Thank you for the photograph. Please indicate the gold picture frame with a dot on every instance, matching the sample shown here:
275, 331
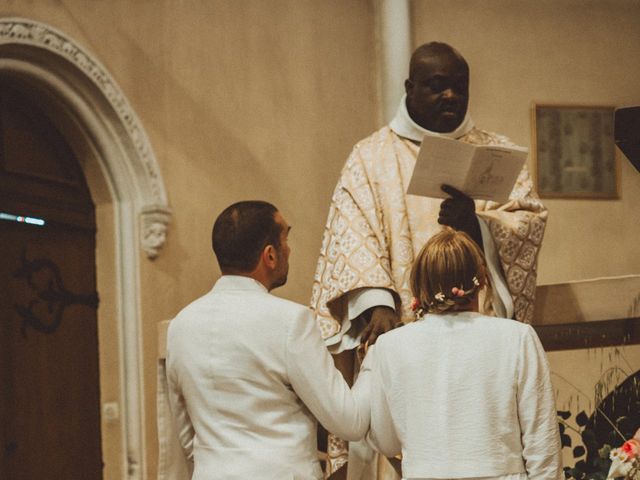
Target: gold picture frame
573, 151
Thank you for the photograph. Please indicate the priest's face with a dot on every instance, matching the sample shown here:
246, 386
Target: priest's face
438, 92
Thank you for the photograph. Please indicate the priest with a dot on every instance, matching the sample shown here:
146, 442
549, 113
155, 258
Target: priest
374, 229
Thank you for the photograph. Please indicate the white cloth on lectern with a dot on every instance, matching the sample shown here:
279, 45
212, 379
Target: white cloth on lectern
172, 463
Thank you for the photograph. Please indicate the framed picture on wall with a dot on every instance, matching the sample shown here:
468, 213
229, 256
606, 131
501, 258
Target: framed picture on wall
573, 152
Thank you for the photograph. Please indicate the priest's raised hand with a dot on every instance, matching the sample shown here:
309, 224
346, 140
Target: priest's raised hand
459, 212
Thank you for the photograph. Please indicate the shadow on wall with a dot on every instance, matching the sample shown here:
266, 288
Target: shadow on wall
592, 300
218, 154
615, 419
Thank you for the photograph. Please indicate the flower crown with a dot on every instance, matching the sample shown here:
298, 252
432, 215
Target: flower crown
442, 302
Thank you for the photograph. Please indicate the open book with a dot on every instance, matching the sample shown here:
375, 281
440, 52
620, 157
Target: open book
483, 172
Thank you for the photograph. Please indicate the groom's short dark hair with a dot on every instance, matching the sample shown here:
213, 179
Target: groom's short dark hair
241, 232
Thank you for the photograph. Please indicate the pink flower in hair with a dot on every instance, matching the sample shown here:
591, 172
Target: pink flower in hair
631, 448
415, 304
457, 292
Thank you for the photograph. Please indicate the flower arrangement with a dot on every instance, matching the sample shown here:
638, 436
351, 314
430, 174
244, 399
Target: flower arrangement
625, 460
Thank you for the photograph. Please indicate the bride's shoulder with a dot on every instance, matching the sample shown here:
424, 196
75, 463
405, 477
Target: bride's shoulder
506, 325
398, 334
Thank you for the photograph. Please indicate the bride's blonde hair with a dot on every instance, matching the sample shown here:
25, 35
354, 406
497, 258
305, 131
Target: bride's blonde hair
448, 273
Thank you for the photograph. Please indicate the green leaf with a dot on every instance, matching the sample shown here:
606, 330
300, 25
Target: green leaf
581, 466
577, 474
613, 438
564, 414
604, 451
578, 451
589, 439
582, 419
565, 440
602, 464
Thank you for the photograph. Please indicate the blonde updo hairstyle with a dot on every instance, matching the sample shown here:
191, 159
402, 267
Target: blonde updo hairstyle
448, 273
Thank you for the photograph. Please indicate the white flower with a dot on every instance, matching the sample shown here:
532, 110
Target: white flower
618, 453
619, 466
440, 296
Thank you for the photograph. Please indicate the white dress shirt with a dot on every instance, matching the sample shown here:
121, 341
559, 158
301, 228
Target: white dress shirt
463, 395
248, 375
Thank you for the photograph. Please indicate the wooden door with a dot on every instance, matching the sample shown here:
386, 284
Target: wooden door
49, 373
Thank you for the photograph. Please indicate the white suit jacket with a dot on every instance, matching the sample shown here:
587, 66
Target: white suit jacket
248, 375
463, 395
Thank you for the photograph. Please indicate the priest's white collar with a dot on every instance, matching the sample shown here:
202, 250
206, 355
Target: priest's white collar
403, 125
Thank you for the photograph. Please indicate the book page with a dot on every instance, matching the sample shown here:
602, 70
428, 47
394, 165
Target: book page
440, 160
493, 172
483, 172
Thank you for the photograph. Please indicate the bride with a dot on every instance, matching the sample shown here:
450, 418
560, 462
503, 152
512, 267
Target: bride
459, 394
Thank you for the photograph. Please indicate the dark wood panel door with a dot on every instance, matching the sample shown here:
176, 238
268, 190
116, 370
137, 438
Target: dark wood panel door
49, 363
49, 371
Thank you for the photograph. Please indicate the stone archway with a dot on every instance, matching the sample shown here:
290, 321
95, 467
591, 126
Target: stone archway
62, 70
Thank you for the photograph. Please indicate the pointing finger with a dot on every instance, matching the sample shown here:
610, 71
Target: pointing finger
454, 192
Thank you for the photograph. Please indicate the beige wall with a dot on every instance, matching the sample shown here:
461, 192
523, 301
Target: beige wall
559, 52
264, 99
241, 100
579, 375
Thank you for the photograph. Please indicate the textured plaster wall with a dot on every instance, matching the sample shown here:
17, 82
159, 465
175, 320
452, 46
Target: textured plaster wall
557, 52
264, 99
241, 100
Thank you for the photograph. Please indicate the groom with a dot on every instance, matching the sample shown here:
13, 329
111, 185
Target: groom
248, 372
